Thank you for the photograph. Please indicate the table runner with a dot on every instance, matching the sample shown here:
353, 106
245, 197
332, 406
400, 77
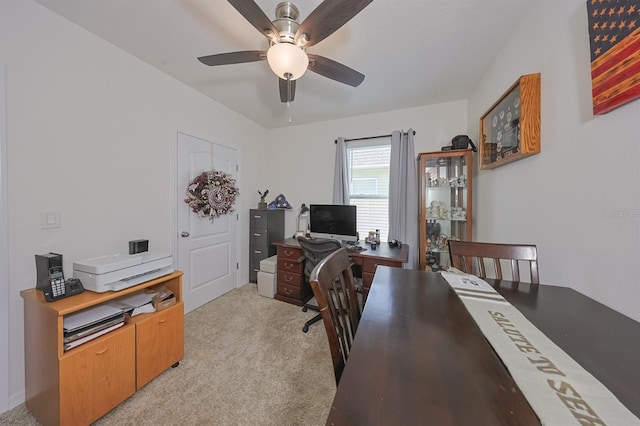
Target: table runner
559, 390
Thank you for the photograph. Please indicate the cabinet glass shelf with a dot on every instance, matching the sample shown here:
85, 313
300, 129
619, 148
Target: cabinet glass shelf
446, 219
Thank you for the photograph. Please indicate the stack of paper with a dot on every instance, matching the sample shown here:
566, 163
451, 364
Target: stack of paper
83, 326
134, 304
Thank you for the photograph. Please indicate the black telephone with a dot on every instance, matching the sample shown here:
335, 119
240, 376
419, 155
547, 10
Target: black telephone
51, 278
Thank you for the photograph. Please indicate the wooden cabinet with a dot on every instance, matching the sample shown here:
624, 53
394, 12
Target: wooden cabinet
79, 386
446, 208
266, 228
291, 286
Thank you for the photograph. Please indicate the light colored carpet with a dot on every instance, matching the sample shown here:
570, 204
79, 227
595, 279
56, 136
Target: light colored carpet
246, 362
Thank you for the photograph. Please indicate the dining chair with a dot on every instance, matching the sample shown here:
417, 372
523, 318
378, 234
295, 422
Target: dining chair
334, 288
313, 251
473, 257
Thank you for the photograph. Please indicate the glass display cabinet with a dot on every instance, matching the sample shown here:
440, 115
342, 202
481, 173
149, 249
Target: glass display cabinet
445, 204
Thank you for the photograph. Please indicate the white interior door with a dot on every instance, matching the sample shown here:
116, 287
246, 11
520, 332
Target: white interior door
206, 248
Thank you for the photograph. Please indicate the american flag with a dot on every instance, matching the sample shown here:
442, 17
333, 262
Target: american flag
614, 34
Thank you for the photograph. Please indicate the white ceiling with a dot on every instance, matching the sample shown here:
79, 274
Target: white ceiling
412, 52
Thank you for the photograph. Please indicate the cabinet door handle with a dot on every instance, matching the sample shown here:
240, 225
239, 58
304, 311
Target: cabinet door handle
102, 351
288, 253
288, 265
258, 251
162, 321
257, 216
286, 290
288, 278
255, 234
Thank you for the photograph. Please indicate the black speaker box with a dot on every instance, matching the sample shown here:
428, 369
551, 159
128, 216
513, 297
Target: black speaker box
138, 246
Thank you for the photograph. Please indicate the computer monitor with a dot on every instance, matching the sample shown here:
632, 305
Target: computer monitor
333, 221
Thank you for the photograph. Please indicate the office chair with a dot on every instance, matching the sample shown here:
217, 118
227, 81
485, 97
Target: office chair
314, 250
334, 287
469, 256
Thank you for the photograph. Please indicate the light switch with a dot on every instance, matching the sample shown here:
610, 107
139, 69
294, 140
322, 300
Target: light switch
51, 219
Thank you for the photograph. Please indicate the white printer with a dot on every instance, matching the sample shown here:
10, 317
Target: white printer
119, 271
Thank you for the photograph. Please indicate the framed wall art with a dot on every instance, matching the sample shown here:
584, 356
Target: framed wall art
614, 39
510, 129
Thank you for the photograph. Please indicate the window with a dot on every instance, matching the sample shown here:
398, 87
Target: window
368, 163
364, 186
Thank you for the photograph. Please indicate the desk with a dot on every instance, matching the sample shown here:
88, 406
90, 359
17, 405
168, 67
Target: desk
419, 357
292, 287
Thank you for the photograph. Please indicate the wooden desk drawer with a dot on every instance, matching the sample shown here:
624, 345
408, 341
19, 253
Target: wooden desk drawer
289, 278
356, 260
370, 264
291, 291
286, 265
289, 253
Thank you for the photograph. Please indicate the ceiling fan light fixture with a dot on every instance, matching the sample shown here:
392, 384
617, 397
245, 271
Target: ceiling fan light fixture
287, 58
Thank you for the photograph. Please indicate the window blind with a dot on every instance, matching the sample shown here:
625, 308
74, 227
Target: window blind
369, 186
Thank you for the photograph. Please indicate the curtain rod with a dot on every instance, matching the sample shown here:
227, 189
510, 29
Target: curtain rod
370, 137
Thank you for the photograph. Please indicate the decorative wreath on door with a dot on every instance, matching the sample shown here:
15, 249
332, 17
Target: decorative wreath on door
212, 194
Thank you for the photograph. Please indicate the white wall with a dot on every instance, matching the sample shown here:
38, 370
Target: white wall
91, 132
578, 200
4, 263
302, 157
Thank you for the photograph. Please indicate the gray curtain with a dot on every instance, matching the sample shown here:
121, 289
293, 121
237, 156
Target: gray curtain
403, 194
341, 174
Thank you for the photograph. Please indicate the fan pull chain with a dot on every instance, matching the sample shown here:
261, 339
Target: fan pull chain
288, 75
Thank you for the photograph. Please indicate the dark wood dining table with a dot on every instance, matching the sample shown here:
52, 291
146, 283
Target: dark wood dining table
420, 358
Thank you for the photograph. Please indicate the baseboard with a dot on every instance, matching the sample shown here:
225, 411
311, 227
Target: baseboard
16, 399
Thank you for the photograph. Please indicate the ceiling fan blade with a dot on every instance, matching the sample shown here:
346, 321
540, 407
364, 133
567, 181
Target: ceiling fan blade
256, 17
287, 95
233, 57
334, 70
328, 17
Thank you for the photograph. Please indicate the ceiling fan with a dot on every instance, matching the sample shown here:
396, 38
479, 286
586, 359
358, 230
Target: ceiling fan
288, 41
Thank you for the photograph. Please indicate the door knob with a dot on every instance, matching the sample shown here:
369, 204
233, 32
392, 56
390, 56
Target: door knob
184, 234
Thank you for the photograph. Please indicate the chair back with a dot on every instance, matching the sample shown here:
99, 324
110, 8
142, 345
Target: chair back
314, 250
334, 288
468, 255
